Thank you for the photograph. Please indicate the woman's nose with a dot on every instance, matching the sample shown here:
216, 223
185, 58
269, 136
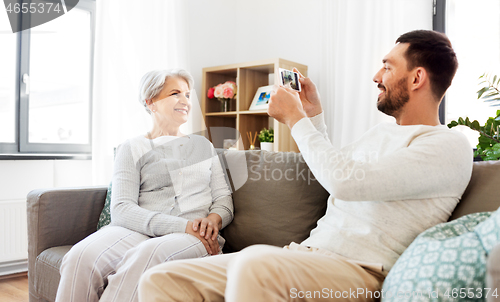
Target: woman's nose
185, 99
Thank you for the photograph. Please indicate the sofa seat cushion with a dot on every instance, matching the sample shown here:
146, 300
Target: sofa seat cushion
47, 271
280, 202
441, 261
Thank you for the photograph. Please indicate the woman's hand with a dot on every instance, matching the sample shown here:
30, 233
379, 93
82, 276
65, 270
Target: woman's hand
212, 246
309, 96
208, 227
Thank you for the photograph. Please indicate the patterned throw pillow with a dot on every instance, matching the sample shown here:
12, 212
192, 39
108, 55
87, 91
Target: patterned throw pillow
105, 217
489, 232
445, 263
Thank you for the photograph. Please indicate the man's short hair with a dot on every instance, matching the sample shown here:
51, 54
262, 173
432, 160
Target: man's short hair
432, 51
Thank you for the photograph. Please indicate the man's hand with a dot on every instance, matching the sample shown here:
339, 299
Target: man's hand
309, 96
212, 246
285, 106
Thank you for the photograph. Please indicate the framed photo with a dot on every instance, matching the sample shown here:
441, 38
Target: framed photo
261, 98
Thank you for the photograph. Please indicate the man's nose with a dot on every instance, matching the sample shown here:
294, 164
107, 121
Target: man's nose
376, 77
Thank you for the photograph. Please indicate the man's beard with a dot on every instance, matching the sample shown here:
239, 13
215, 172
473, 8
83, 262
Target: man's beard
391, 102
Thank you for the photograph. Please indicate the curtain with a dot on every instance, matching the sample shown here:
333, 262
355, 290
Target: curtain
132, 37
356, 35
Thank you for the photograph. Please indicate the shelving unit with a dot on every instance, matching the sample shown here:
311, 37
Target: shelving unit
248, 77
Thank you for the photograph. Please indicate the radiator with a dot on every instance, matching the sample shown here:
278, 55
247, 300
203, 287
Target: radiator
13, 236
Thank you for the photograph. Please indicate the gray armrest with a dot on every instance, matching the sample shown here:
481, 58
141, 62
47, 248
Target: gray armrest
59, 217
62, 216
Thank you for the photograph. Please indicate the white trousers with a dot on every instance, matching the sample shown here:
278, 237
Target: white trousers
107, 265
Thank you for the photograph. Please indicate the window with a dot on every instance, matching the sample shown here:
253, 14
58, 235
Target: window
7, 81
46, 87
474, 30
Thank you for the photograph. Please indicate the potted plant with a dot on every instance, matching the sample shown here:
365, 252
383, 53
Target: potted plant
488, 147
266, 139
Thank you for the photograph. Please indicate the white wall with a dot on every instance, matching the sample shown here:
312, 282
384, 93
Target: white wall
17, 179
341, 42
226, 32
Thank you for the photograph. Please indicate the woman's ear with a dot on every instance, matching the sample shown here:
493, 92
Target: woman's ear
150, 104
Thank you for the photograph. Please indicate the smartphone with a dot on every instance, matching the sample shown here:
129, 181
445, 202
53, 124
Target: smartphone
290, 78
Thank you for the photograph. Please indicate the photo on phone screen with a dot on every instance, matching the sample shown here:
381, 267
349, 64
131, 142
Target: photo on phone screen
290, 78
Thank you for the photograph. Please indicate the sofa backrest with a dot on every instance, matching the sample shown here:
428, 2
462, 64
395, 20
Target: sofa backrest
279, 203
482, 193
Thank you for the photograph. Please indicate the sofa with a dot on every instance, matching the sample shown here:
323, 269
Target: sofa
280, 202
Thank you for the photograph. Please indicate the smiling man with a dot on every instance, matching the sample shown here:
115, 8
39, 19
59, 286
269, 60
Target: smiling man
378, 204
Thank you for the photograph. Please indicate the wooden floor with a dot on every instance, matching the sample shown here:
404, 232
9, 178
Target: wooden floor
14, 288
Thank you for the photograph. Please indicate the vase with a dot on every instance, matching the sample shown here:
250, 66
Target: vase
224, 105
266, 146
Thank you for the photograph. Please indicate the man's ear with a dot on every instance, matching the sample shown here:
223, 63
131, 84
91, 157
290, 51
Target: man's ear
420, 78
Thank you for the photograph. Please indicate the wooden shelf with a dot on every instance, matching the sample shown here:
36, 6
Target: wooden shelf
253, 112
248, 76
229, 113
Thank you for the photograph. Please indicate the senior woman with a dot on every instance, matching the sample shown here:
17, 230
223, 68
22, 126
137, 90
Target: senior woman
169, 201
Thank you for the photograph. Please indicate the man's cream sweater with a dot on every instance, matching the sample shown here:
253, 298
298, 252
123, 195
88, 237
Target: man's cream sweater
386, 188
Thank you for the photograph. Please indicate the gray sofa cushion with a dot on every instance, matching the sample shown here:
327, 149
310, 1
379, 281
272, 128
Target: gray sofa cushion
47, 271
279, 203
481, 194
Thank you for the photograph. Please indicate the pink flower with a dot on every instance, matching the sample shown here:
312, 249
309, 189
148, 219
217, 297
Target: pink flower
232, 85
210, 93
228, 93
219, 90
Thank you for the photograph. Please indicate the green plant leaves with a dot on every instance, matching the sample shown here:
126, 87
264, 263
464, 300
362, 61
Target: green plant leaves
475, 125
491, 91
488, 146
266, 135
481, 91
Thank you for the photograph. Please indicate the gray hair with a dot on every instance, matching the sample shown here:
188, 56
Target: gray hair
153, 81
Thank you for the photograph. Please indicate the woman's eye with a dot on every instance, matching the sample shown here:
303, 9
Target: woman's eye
188, 96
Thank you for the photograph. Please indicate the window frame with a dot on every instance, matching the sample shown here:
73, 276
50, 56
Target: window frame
22, 148
439, 24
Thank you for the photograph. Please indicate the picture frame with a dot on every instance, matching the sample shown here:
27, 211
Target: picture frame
261, 98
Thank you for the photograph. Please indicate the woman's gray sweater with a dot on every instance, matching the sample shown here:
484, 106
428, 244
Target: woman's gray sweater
161, 184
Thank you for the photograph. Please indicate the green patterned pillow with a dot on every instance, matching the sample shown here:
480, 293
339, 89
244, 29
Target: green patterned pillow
489, 232
105, 217
445, 263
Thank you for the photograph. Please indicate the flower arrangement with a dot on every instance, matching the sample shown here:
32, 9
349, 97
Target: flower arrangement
224, 93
